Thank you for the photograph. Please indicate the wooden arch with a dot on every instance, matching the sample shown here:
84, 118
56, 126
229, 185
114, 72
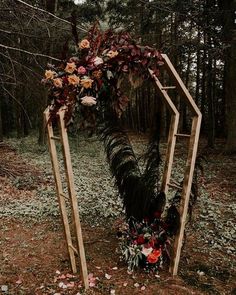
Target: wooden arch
166, 179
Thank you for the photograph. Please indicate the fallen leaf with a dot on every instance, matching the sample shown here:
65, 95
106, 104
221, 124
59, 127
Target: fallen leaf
90, 275
92, 280
143, 288
19, 282
62, 285
68, 275
107, 276
71, 284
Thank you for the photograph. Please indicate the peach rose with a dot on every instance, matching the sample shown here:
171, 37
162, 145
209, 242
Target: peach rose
88, 101
84, 44
57, 82
73, 80
112, 54
70, 67
86, 83
49, 74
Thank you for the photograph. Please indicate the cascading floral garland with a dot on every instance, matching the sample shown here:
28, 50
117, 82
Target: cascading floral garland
92, 76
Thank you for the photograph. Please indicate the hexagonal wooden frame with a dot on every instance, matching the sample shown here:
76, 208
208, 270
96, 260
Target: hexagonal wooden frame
166, 179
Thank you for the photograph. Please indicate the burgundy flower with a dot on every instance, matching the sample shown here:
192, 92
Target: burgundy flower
140, 240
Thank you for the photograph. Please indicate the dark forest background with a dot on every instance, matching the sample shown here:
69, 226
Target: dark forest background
199, 36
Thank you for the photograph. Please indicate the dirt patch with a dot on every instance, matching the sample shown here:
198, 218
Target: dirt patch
34, 257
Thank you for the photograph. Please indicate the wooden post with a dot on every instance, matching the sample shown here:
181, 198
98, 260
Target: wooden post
72, 194
59, 189
188, 177
172, 131
63, 139
190, 163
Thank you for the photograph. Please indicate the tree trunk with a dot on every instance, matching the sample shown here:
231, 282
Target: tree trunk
229, 35
51, 6
210, 103
1, 129
203, 86
41, 137
231, 97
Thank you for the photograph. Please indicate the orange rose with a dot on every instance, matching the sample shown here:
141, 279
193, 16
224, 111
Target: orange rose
112, 54
153, 257
73, 79
57, 82
86, 83
70, 67
49, 74
84, 44
97, 74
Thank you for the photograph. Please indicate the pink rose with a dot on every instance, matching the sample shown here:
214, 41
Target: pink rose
81, 70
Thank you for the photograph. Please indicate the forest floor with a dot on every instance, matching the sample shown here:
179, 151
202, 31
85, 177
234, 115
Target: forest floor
33, 253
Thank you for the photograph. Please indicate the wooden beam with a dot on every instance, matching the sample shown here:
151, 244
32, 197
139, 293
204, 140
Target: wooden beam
73, 197
169, 152
180, 85
163, 93
191, 158
59, 189
187, 183
171, 136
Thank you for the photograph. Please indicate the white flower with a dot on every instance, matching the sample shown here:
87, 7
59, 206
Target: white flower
88, 101
146, 251
98, 61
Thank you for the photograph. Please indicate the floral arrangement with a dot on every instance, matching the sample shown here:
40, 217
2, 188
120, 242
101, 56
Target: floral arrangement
144, 244
92, 76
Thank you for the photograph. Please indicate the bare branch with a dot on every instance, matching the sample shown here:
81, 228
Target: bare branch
49, 13
28, 52
24, 66
21, 105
